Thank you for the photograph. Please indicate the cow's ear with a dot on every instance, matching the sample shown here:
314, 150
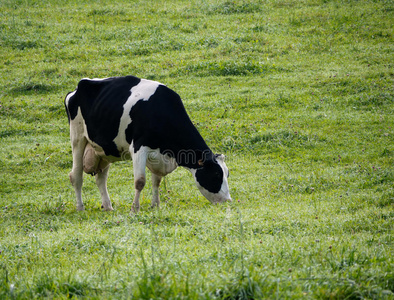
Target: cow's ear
220, 157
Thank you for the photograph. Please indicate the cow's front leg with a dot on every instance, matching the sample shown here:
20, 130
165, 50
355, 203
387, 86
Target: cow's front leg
156, 179
139, 164
101, 181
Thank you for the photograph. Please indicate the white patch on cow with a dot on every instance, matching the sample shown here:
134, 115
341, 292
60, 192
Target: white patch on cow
142, 91
160, 164
95, 79
79, 122
157, 163
222, 196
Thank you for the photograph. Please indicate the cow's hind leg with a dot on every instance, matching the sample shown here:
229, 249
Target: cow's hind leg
78, 143
139, 164
156, 179
101, 181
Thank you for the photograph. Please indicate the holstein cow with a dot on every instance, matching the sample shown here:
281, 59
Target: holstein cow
123, 118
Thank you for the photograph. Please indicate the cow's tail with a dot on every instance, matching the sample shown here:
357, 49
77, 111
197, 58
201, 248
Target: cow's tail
66, 104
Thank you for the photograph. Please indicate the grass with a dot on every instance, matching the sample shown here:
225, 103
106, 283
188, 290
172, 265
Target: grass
297, 94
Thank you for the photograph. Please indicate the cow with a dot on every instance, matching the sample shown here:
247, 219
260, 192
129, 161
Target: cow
121, 118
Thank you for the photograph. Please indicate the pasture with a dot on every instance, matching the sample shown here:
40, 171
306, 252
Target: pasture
299, 96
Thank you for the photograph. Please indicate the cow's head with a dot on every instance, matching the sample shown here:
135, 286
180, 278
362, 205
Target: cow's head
211, 179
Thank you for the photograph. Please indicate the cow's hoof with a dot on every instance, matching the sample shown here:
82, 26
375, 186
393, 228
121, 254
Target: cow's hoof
80, 208
107, 208
134, 211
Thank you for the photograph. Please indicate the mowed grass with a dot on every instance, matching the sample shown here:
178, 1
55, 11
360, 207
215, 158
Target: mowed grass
297, 94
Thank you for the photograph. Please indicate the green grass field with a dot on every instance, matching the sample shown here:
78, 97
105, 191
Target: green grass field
299, 96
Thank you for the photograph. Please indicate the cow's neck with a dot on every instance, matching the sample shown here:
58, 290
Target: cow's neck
193, 151
193, 158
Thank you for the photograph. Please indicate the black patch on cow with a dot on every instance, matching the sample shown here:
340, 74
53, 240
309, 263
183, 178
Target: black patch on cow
162, 123
210, 176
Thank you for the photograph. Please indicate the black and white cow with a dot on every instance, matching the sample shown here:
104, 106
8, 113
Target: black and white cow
122, 118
